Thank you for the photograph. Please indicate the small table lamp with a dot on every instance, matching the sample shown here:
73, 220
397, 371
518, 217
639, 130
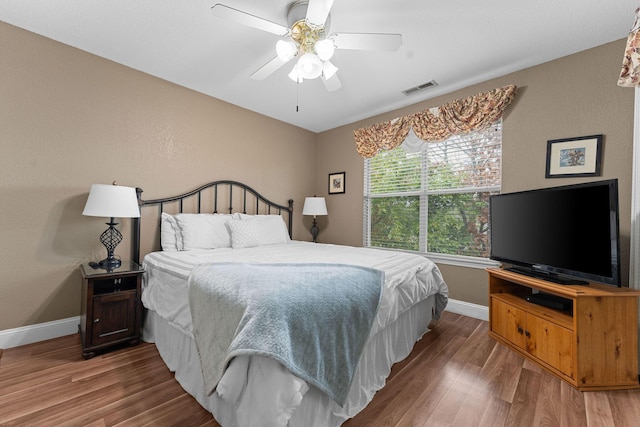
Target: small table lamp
111, 201
314, 206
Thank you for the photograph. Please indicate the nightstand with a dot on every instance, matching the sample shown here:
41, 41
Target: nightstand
111, 308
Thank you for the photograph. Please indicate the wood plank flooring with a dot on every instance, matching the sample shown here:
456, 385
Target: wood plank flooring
455, 376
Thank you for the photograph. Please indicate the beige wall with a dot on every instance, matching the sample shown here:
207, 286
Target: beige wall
573, 96
69, 119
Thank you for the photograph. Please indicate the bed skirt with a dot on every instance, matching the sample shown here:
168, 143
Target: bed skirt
382, 350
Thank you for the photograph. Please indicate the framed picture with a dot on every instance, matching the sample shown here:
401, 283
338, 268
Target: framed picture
336, 183
580, 156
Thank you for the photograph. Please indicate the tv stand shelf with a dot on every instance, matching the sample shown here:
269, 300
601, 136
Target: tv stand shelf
593, 345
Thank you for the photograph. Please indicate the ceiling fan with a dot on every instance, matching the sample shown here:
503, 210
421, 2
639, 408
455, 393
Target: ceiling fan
306, 39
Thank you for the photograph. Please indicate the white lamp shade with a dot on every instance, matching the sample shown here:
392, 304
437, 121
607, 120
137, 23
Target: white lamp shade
310, 66
324, 49
112, 201
295, 74
286, 50
314, 206
328, 69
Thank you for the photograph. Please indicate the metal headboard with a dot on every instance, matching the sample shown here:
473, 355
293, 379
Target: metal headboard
215, 190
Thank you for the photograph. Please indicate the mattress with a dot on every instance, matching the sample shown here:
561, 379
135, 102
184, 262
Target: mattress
413, 293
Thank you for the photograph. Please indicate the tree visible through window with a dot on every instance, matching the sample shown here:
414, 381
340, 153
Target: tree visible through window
435, 200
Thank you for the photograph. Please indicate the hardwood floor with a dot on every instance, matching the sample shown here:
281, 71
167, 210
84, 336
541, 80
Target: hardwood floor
455, 376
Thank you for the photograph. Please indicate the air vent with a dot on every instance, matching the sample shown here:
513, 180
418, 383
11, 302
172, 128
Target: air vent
418, 88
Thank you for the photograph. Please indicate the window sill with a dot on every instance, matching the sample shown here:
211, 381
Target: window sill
462, 261
457, 260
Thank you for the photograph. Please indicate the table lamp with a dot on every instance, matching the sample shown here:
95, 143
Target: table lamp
314, 206
111, 201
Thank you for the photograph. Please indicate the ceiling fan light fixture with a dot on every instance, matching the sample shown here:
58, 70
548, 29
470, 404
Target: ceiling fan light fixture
286, 50
328, 69
307, 38
324, 49
309, 66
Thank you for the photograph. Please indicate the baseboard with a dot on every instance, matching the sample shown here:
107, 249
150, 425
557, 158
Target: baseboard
39, 332
45, 331
468, 309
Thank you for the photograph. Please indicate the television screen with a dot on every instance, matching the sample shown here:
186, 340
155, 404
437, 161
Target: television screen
569, 232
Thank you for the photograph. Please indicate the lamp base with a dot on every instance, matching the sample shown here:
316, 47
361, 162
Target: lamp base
107, 263
110, 239
314, 230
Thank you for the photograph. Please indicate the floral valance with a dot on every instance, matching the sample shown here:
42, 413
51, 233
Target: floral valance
436, 124
630, 74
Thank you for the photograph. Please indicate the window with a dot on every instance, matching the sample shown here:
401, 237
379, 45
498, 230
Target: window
435, 200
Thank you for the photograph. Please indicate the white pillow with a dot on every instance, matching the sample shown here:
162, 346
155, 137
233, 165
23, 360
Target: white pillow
263, 231
269, 217
204, 231
169, 233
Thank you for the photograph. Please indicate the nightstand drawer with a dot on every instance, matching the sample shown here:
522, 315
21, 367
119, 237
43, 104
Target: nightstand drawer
114, 284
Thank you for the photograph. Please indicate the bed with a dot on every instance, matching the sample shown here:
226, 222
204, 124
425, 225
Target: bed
187, 285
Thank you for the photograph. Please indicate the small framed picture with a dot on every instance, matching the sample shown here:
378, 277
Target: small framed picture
336, 183
580, 156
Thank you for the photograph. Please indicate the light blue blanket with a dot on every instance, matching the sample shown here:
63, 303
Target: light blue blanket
313, 318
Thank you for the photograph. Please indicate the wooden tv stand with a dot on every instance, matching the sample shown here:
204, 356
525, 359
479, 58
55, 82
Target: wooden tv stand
593, 344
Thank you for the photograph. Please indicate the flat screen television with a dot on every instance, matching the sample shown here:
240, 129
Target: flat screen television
567, 234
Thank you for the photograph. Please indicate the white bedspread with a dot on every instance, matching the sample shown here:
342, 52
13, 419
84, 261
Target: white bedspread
409, 279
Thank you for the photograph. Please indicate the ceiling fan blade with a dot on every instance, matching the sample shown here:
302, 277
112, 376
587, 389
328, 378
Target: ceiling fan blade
332, 83
226, 12
318, 10
362, 41
269, 68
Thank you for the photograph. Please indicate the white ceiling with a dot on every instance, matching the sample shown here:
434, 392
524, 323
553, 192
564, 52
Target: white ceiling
457, 43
